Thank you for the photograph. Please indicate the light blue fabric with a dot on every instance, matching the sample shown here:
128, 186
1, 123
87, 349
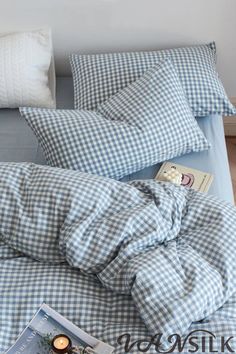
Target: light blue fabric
148, 122
166, 246
195, 65
18, 143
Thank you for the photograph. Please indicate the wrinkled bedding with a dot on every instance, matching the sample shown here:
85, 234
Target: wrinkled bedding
141, 258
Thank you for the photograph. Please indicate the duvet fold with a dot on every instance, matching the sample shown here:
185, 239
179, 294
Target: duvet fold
171, 249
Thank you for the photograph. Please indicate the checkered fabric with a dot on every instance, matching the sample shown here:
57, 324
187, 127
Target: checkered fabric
171, 249
99, 76
39, 203
148, 122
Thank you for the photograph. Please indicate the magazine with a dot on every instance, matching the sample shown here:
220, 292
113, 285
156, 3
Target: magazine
185, 176
48, 329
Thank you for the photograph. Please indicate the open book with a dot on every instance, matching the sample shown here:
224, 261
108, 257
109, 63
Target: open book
39, 336
185, 176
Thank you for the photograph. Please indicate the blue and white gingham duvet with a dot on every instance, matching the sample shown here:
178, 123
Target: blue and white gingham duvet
141, 258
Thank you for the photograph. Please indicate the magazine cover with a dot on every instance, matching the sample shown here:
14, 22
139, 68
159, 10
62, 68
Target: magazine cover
49, 332
185, 176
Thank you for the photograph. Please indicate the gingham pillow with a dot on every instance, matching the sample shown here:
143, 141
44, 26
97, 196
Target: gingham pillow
97, 77
148, 122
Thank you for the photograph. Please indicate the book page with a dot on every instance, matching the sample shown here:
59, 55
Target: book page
191, 178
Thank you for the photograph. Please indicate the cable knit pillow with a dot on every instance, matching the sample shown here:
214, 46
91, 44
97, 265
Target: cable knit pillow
148, 122
97, 77
27, 69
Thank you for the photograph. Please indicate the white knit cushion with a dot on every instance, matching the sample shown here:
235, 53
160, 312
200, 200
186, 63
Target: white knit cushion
26, 61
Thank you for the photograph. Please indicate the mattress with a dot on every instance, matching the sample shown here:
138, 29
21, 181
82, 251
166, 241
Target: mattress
18, 143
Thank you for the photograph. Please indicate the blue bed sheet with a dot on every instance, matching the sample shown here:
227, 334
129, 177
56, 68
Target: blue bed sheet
18, 143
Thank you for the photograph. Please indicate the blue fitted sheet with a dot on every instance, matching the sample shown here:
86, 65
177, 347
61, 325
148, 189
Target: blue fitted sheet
18, 143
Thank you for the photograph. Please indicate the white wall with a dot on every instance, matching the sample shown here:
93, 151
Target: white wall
90, 26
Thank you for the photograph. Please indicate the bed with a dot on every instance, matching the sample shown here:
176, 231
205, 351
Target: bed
82, 299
